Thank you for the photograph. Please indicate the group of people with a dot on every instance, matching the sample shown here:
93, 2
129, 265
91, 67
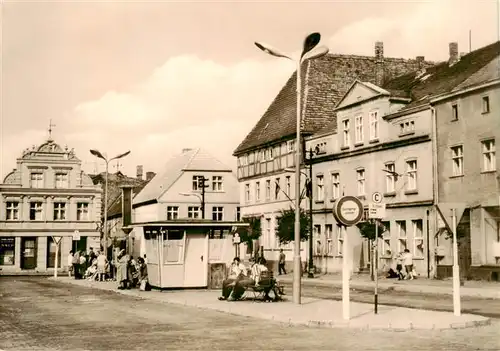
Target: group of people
88, 265
403, 260
131, 273
240, 278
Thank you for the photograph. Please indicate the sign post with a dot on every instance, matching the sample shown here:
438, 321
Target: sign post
57, 240
376, 211
236, 242
348, 211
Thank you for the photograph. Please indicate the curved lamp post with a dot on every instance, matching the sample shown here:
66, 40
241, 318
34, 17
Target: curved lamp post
98, 154
310, 42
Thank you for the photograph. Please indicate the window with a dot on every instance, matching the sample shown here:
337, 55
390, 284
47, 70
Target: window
173, 246
386, 239
172, 212
340, 239
35, 211
62, 181
402, 239
195, 182
486, 104
193, 212
358, 125
345, 133
217, 183
457, 157
489, 162
291, 146
329, 239
36, 180
51, 253
268, 232
268, 189
257, 191
390, 178
320, 148
407, 127
82, 211
247, 192
320, 188
59, 211
12, 211
7, 251
411, 172
454, 112
218, 213
335, 185
288, 186
277, 188
418, 237
360, 176
317, 239
374, 125
238, 213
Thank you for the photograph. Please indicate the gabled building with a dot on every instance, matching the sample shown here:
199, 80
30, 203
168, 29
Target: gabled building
388, 139
266, 186
46, 197
174, 193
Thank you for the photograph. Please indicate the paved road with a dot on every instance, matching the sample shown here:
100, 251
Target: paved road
38, 314
484, 307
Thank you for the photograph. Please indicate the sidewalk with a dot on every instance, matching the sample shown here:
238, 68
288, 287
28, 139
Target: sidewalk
312, 312
482, 289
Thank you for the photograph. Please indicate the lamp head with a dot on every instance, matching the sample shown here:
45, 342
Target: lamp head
310, 43
268, 49
316, 53
96, 153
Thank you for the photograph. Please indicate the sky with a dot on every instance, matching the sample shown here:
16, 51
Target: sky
157, 77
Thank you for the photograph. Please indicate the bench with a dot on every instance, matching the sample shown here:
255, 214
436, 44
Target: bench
267, 283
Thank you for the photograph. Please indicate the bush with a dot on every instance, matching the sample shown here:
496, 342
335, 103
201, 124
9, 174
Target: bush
286, 226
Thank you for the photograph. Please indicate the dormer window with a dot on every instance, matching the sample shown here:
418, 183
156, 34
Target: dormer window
62, 181
291, 146
345, 132
407, 127
320, 148
36, 180
374, 125
359, 129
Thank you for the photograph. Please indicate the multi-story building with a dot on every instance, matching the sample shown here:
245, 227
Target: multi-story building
45, 198
268, 150
467, 168
385, 141
175, 194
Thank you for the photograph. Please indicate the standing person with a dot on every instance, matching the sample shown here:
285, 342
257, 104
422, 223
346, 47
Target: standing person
399, 265
70, 263
76, 265
122, 270
281, 262
101, 266
408, 262
82, 264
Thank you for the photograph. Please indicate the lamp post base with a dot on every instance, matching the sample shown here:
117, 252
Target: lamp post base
297, 273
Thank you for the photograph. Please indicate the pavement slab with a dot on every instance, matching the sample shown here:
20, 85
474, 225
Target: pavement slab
311, 312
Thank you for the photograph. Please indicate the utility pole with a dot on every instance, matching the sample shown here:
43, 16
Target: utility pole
310, 272
202, 185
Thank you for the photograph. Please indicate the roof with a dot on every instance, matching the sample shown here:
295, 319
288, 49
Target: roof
473, 68
190, 160
325, 80
115, 209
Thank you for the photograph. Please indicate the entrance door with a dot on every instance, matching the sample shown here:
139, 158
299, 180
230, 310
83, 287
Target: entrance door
195, 262
28, 253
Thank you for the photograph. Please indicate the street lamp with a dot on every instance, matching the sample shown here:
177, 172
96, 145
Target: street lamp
98, 154
201, 200
310, 42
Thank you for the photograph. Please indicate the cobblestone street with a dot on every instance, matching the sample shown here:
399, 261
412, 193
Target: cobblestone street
38, 314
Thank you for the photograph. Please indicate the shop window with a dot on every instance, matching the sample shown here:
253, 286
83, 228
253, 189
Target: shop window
173, 247
7, 251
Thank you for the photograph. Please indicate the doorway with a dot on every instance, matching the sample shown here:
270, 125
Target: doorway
195, 263
28, 253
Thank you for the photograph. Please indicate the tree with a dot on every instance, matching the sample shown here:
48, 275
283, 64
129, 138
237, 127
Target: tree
367, 229
286, 226
253, 232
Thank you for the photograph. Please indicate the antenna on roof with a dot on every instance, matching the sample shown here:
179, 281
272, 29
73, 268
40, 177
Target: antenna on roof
470, 40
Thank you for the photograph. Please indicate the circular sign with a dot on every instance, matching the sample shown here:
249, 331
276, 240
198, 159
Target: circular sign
377, 197
348, 210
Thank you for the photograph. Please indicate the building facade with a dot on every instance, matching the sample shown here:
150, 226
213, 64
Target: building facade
378, 147
45, 198
175, 194
468, 131
267, 152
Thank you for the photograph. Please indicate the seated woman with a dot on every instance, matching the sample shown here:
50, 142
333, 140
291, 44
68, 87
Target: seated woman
237, 271
143, 275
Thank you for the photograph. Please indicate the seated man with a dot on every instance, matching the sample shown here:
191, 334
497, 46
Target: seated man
257, 269
237, 271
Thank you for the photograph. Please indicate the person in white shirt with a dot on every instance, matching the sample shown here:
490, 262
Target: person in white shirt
408, 262
236, 271
70, 263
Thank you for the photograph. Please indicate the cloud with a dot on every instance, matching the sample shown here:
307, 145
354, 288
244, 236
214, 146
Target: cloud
426, 31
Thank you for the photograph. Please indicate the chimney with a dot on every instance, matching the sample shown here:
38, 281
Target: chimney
379, 63
186, 150
140, 172
453, 54
150, 175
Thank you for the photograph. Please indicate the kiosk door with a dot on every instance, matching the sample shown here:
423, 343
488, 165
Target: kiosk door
195, 263
28, 253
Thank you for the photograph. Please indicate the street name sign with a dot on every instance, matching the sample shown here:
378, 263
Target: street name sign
76, 235
376, 211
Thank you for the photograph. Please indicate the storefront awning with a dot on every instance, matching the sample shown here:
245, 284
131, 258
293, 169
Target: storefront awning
200, 223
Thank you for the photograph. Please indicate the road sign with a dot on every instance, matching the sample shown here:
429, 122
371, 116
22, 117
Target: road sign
348, 210
76, 235
377, 197
376, 211
57, 239
236, 238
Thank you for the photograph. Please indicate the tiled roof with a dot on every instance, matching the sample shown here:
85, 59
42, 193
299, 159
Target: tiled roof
115, 180
116, 208
190, 160
325, 80
473, 68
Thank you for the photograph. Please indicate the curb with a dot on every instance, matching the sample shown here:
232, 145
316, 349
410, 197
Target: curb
404, 326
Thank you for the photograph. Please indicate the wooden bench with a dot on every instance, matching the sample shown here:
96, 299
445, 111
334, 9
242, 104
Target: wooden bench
267, 283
